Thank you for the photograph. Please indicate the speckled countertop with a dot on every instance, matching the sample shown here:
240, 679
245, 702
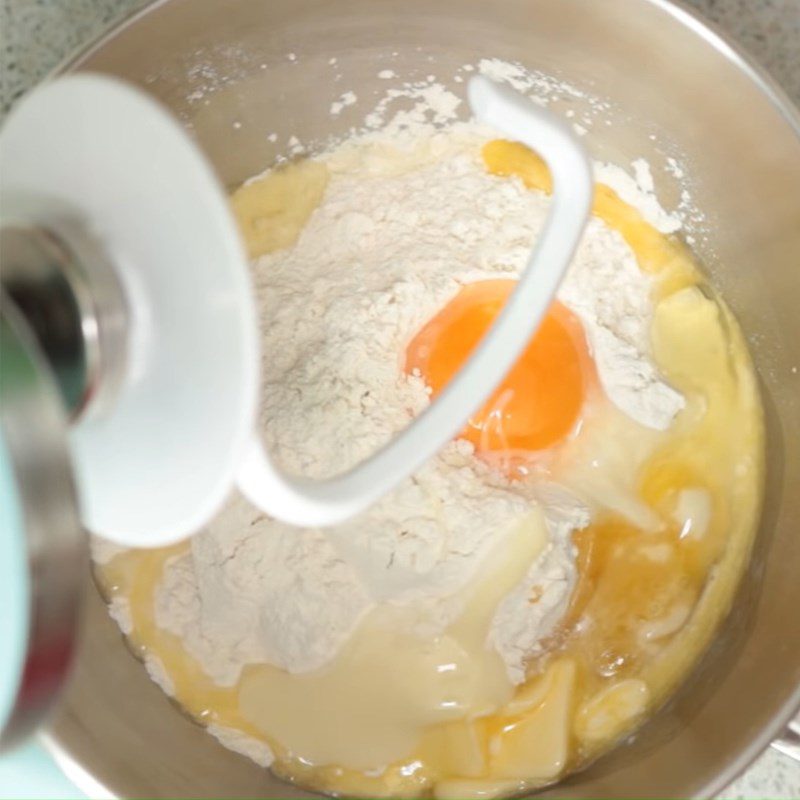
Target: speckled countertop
35, 35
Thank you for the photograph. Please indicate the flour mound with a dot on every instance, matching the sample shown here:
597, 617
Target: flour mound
252, 590
395, 238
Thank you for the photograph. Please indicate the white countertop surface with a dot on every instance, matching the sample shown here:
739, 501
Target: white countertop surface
38, 34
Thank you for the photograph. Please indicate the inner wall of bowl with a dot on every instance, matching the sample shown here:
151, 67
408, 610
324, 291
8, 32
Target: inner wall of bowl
239, 71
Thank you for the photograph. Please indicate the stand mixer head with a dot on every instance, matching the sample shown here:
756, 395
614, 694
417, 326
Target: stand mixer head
121, 212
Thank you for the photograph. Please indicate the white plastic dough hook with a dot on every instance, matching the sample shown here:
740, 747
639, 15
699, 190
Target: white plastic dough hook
168, 426
315, 503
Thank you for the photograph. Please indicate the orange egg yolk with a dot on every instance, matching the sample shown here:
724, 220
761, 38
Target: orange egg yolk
539, 401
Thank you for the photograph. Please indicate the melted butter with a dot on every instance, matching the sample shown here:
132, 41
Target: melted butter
272, 210
648, 598
134, 576
388, 684
646, 605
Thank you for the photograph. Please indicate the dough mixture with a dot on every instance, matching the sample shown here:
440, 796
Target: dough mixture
527, 598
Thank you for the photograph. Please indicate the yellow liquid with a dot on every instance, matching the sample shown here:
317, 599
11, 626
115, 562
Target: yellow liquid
646, 603
389, 685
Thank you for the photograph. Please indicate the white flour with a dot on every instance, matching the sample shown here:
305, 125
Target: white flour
242, 743
394, 239
611, 295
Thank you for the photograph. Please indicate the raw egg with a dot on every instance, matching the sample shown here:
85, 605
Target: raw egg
540, 400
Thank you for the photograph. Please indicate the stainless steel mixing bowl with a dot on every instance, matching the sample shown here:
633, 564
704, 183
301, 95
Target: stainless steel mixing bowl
674, 87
